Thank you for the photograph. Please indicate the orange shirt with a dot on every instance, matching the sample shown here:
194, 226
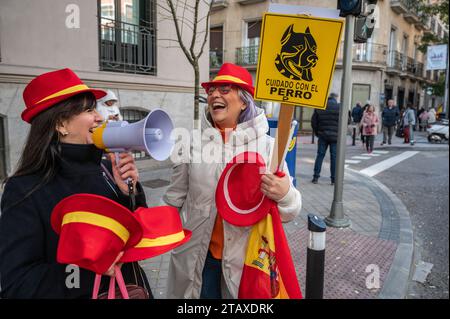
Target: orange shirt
216, 243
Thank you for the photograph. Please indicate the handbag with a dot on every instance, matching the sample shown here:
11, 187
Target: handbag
124, 291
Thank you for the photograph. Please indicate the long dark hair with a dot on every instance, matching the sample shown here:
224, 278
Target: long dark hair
42, 150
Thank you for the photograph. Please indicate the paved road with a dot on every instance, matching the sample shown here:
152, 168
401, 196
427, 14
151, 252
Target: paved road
419, 176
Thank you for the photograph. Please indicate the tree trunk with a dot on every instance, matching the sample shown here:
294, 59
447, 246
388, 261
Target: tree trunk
196, 95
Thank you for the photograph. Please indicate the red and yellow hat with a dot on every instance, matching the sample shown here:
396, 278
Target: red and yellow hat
93, 231
239, 199
162, 231
50, 88
230, 73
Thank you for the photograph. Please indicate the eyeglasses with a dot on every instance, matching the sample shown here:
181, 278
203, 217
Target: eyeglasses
223, 89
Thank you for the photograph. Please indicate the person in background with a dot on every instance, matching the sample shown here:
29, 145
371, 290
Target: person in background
357, 114
363, 137
423, 120
432, 116
389, 118
409, 120
325, 124
108, 108
370, 127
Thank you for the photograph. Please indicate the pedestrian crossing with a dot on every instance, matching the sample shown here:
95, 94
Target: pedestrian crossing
380, 166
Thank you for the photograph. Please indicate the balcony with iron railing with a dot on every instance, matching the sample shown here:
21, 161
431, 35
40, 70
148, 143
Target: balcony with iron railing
247, 56
394, 62
419, 70
412, 15
366, 55
409, 65
399, 6
219, 5
126, 47
215, 59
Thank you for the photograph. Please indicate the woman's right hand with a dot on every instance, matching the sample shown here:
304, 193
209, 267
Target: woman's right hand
111, 271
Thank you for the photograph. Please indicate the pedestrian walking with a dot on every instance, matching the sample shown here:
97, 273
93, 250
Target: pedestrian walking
432, 116
423, 120
357, 113
363, 138
325, 124
389, 117
370, 127
59, 159
210, 265
409, 120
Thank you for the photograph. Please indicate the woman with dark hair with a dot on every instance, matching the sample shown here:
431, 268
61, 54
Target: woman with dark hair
59, 159
210, 264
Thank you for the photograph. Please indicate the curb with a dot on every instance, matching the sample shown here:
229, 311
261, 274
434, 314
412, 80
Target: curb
396, 282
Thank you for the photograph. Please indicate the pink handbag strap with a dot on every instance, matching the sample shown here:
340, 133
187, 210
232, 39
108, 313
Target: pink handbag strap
112, 285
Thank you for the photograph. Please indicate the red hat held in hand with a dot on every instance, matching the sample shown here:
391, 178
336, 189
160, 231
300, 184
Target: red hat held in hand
50, 88
162, 231
239, 199
93, 231
230, 73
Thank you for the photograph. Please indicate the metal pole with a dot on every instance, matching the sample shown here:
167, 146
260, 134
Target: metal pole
336, 217
446, 89
315, 258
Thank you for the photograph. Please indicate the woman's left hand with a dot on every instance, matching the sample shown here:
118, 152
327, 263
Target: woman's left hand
124, 170
275, 187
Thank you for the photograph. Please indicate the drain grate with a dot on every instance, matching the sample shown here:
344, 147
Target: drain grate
155, 183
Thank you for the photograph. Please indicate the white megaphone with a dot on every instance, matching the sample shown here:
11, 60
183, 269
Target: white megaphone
151, 135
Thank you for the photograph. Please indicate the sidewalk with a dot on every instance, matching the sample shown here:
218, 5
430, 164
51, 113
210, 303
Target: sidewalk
378, 242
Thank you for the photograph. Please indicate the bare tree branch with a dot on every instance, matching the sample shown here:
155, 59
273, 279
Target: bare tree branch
206, 29
177, 29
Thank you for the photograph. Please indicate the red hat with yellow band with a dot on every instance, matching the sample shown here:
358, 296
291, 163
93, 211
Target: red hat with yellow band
230, 73
50, 88
93, 231
162, 231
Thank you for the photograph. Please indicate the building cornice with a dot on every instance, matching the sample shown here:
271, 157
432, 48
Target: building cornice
25, 79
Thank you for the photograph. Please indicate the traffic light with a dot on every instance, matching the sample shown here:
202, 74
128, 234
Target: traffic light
363, 29
365, 22
349, 7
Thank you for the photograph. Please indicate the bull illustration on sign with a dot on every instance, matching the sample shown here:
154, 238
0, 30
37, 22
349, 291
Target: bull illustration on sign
298, 55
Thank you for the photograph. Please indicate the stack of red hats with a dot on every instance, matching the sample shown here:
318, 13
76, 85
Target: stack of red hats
94, 230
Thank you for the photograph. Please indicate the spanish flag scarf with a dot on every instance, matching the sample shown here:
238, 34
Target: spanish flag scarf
269, 271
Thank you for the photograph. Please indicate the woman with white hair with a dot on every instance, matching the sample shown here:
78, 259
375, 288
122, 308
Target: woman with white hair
210, 265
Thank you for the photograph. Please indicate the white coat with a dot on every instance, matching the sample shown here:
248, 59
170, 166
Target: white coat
192, 189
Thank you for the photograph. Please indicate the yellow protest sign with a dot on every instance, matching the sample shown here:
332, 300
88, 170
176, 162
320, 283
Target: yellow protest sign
297, 56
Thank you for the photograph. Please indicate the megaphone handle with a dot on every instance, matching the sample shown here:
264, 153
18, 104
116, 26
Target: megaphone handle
129, 182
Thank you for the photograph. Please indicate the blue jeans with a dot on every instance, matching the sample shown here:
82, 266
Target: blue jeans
322, 146
211, 278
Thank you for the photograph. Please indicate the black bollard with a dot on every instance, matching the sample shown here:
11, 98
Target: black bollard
315, 259
354, 136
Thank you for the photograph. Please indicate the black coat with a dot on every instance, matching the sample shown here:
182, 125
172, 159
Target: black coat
357, 113
325, 123
28, 244
390, 116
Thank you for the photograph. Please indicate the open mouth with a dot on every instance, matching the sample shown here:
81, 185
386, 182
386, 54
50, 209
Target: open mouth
218, 106
91, 130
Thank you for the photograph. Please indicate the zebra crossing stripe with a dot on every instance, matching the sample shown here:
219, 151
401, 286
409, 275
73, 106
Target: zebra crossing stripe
352, 162
381, 152
388, 163
361, 157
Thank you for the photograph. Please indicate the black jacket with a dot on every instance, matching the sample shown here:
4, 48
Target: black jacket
390, 116
325, 123
357, 113
28, 244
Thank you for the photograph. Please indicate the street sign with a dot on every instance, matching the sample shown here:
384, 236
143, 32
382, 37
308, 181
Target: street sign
297, 56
